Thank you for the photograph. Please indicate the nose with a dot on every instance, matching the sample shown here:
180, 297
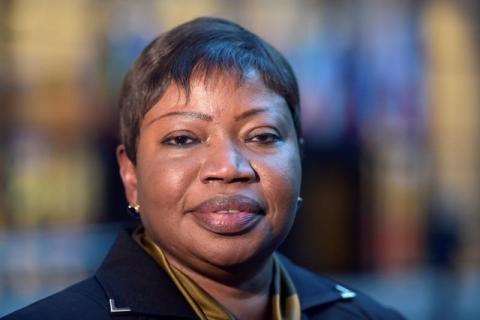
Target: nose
226, 163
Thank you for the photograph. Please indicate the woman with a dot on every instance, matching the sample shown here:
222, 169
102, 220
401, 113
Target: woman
210, 162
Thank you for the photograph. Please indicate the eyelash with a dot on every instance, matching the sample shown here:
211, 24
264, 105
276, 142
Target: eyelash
265, 138
185, 140
179, 141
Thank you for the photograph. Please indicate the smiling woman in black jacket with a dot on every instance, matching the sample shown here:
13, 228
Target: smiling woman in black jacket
210, 162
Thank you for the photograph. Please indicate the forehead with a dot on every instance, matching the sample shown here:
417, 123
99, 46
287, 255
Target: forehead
219, 91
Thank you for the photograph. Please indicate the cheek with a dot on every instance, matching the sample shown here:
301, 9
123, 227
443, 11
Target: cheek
283, 171
280, 177
163, 181
162, 187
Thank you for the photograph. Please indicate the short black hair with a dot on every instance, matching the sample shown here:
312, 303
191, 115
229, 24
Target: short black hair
202, 45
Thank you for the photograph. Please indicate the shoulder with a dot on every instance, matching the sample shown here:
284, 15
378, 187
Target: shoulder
84, 300
359, 307
321, 297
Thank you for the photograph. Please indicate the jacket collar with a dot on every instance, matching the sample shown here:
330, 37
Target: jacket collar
312, 289
134, 283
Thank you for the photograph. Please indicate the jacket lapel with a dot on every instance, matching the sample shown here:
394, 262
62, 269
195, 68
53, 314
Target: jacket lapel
312, 289
134, 283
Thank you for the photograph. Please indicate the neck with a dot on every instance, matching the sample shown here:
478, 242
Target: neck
247, 295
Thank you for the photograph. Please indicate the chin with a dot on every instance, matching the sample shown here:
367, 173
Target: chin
239, 251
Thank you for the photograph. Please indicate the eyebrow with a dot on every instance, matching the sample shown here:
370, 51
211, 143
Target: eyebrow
206, 117
249, 113
191, 114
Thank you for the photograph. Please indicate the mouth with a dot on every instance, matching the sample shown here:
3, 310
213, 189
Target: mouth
228, 215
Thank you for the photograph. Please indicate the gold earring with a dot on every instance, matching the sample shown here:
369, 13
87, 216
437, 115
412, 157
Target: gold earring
133, 210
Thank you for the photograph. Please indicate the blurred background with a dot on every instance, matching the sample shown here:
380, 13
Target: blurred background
391, 112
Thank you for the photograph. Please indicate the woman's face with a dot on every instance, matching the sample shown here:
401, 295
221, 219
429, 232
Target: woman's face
217, 175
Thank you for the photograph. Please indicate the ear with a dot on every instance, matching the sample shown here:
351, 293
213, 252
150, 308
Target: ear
128, 173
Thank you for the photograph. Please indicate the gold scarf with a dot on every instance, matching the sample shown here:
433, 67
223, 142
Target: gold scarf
285, 302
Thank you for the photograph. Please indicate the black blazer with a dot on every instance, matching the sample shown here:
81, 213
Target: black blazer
130, 285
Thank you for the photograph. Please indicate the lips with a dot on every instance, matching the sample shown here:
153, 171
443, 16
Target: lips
228, 215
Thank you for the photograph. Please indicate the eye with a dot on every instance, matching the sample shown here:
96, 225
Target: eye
180, 140
264, 138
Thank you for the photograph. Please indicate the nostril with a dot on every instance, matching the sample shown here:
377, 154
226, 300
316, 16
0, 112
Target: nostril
237, 177
237, 180
213, 179
241, 179
228, 172
228, 164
